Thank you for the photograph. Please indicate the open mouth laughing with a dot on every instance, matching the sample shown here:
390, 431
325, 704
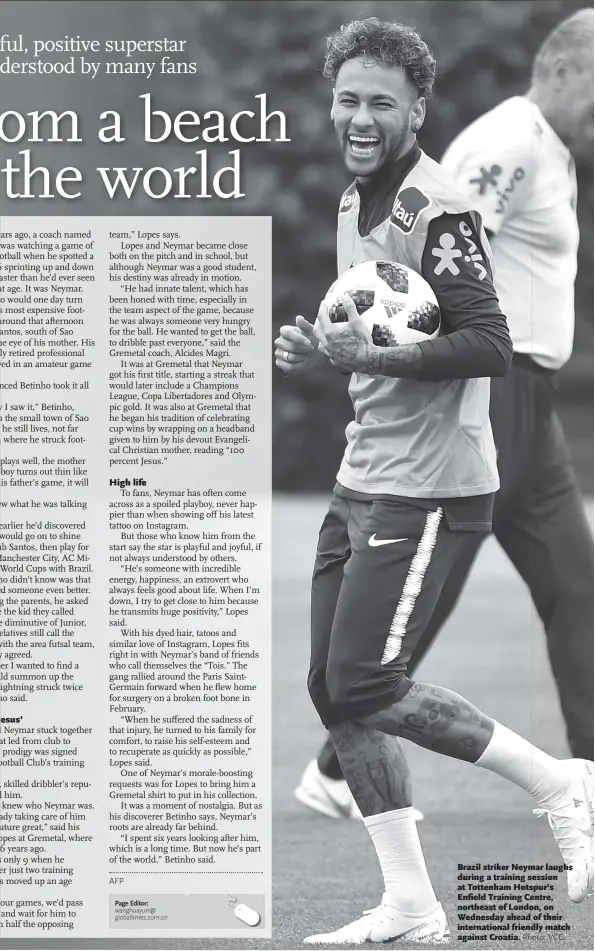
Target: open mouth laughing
363, 145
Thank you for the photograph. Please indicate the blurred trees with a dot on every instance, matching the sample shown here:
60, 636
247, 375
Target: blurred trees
484, 51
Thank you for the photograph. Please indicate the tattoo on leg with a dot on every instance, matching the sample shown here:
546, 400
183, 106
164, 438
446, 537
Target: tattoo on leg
374, 766
437, 719
341, 735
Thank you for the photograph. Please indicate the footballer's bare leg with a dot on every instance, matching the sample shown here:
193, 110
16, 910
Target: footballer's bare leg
441, 720
376, 770
374, 765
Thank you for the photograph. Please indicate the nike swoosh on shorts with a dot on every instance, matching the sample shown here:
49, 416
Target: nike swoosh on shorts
374, 542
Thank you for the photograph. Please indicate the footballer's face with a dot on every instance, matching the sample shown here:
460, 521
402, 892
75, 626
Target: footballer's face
377, 111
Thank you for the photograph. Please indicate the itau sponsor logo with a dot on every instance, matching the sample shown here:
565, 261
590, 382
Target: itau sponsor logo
346, 203
407, 208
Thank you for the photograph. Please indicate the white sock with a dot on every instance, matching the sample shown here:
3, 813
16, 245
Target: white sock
542, 776
407, 884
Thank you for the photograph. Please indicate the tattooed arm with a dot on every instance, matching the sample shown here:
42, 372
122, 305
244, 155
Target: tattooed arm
350, 347
474, 342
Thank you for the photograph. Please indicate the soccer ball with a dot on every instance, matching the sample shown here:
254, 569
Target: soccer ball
396, 303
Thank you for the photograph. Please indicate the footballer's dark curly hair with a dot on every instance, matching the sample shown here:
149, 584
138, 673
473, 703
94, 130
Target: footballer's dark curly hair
392, 44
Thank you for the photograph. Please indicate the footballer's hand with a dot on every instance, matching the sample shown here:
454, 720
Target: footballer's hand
296, 347
348, 346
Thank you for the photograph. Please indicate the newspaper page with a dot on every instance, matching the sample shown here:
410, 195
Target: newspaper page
213, 729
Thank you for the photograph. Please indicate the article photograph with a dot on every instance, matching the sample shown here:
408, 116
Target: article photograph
296, 474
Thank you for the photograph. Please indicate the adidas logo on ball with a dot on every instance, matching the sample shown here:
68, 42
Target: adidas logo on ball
397, 305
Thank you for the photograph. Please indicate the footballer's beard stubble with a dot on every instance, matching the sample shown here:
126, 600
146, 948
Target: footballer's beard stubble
386, 153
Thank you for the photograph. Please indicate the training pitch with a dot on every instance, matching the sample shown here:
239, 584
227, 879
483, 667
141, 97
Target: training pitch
492, 652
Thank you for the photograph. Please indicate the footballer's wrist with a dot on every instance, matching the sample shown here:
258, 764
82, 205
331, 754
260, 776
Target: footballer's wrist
317, 360
404, 361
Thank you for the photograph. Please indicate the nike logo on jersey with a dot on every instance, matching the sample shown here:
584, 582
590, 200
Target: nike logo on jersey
374, 542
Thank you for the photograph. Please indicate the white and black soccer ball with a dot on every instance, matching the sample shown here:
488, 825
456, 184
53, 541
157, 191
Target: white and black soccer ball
396, 303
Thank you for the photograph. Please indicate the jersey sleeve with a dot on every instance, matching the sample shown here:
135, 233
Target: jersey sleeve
474, 339
494, 175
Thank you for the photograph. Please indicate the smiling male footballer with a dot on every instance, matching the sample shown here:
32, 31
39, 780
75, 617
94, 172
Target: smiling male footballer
416, 484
